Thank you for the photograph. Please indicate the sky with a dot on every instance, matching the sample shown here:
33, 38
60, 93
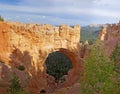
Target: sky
56, 12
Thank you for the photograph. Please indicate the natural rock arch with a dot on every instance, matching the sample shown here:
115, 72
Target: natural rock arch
40, 40
57, 65
73, 73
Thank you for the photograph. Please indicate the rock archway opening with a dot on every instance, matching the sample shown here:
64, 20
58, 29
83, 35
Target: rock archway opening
58, 65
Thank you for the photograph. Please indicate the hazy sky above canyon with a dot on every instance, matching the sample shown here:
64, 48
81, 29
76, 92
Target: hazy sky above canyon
57, 12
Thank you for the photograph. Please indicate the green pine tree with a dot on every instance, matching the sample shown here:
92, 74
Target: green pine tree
15, 87
98, 72
1, 19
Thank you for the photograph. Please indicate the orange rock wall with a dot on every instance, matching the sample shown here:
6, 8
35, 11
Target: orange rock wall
30, 44
4, 37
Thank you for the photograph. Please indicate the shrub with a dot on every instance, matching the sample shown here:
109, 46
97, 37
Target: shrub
22, 68
1, 19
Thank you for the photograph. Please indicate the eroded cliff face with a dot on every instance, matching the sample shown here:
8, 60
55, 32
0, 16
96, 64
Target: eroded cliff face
111, 36
102, 34
30, 44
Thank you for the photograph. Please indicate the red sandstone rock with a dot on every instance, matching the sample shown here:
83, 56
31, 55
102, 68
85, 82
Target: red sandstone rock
111, 36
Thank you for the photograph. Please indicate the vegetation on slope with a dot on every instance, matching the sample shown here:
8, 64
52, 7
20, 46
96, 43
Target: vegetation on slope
98, 72
115, 57
101, 73
15, 86
89, 33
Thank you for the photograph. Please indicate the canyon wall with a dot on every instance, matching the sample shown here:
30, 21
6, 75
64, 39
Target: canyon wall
29, 45
111, 36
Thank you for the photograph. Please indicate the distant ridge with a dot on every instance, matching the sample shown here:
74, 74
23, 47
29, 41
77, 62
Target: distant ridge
97, 25
90, 32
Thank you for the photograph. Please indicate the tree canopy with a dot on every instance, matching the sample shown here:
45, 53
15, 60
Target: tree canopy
1, 18
98, 72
